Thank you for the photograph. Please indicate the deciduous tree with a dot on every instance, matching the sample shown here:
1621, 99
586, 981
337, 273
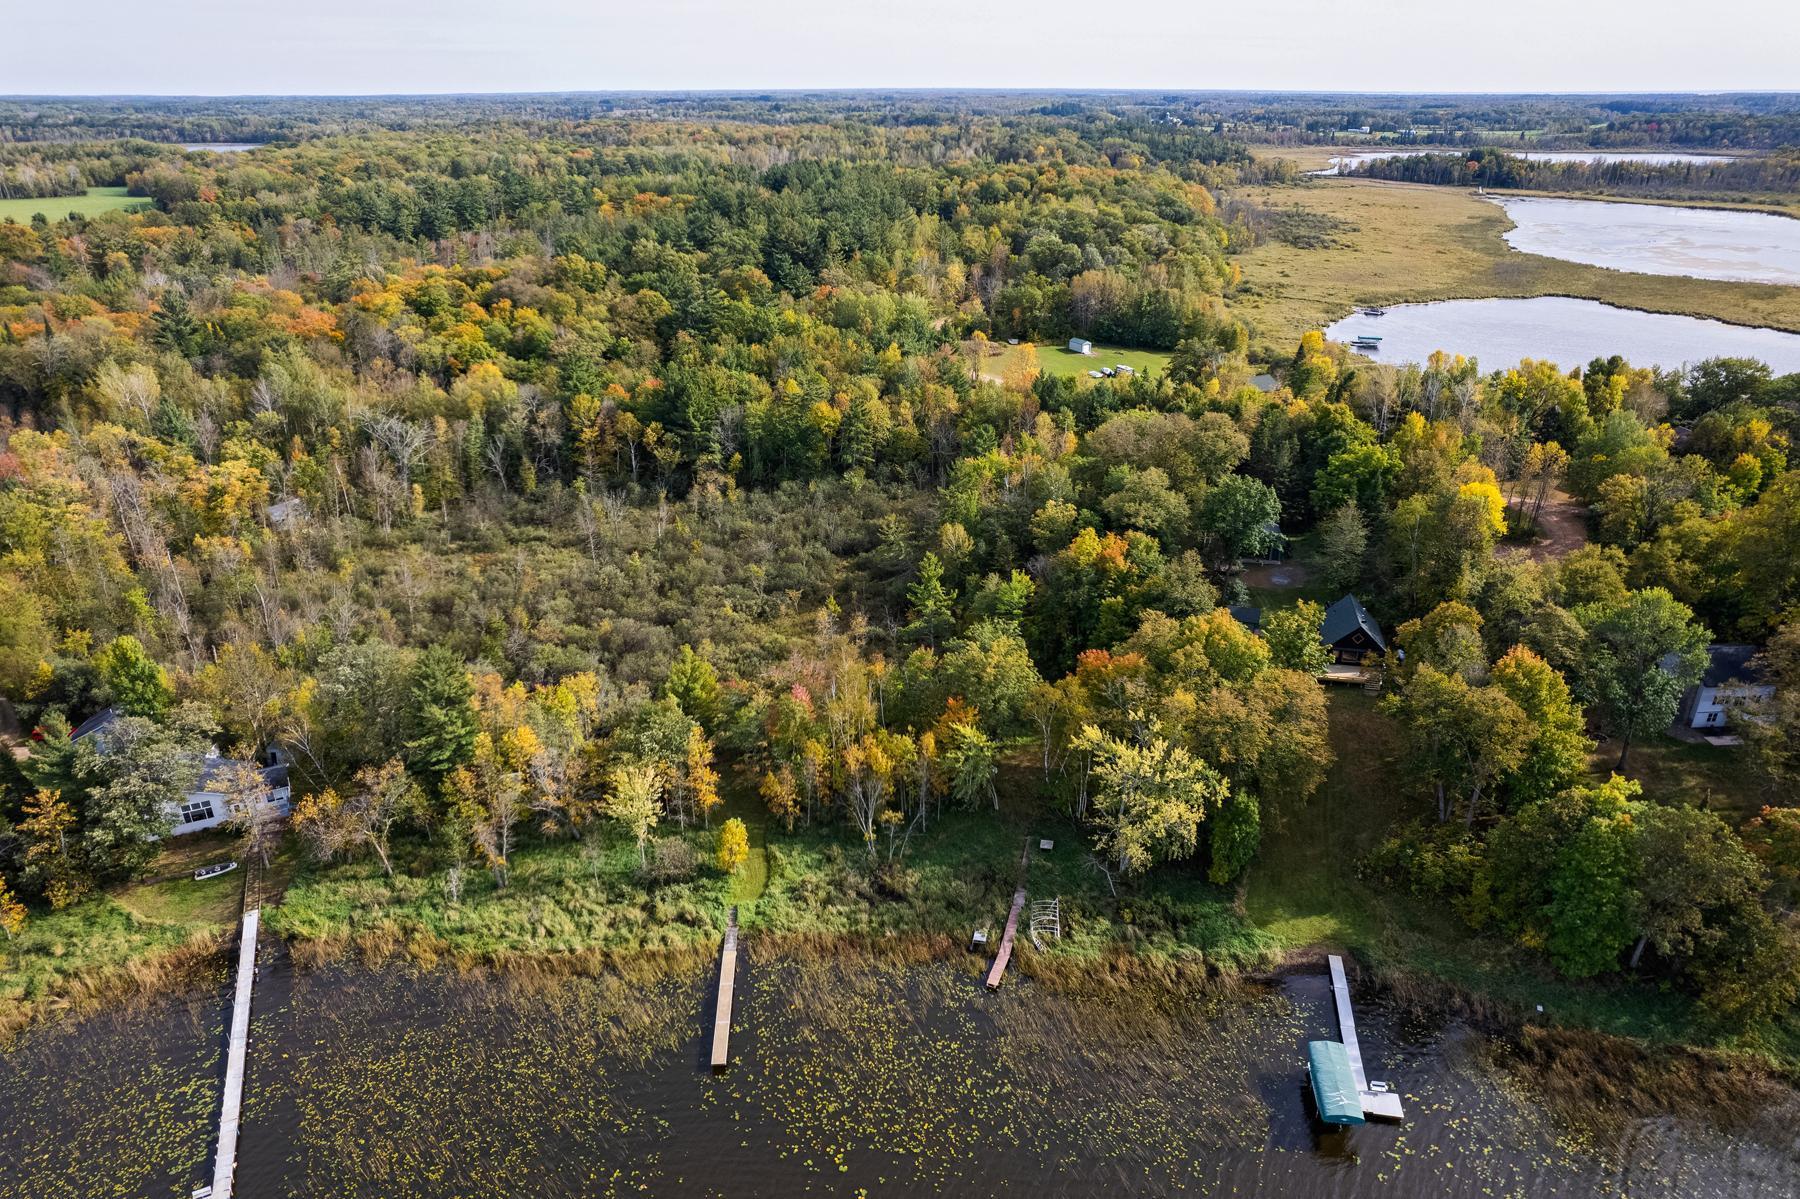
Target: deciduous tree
634, 799
1150, 799
734, 846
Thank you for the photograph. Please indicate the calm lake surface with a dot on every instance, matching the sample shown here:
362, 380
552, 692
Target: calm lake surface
1345, 162
1657, 239
1568, 332
851, 1078
220, 147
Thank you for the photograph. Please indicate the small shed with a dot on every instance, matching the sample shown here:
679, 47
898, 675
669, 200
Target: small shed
1078, 345
1350, 632
1247, 615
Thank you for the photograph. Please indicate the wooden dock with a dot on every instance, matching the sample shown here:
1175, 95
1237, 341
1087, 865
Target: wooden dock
231, 1110
721, 1046
1006, 940
1384, 1104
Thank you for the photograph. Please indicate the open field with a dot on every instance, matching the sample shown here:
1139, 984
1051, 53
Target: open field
1413, 242
1055, 358
97, 200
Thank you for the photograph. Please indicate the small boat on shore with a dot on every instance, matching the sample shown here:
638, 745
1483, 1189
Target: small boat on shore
214, 871
1374, 311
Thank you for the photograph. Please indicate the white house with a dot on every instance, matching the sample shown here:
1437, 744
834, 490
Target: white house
1730, 681
203, 807
1078, 345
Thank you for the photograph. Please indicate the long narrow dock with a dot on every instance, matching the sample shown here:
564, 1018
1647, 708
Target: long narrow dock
721, 1049
1383, 1103
225, 1159
1006, 941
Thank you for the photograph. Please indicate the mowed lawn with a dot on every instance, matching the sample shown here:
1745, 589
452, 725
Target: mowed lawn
1055, 358
96, 201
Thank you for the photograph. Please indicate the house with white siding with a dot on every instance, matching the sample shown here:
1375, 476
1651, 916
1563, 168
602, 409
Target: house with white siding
206, 806
1731, 683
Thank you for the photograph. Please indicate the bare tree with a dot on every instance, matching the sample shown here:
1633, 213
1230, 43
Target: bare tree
404, 441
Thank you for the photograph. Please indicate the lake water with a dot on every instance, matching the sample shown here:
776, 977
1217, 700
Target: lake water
1659, 239
221, 147
850, 1077
1654, 157
1568, 332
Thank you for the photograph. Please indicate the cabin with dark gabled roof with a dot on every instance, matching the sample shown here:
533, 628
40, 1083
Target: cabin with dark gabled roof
1350, 632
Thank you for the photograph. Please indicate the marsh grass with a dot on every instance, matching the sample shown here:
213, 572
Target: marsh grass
94, 956
1415, 242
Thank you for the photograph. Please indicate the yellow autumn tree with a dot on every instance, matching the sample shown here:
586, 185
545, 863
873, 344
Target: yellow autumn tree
1492, 501
781, 795
702, 779
1021, 367
734, 845
12, 912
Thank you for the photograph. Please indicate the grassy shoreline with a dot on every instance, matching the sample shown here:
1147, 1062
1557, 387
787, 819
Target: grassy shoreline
584, 907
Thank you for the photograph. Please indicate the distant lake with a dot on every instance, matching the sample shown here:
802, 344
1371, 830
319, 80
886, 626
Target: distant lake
1567, 332
1653, 157
1658, 239
221, 147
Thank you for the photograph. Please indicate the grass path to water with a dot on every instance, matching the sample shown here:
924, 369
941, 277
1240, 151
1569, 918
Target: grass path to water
1411, 243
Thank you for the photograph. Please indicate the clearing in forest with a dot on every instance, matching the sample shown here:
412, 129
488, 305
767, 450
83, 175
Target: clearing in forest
55, 208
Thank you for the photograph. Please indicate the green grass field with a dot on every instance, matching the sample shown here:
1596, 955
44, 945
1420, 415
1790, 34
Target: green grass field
1054, 358
55, 208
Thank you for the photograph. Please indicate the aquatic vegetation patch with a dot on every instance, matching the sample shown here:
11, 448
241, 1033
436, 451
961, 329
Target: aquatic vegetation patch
118, 1106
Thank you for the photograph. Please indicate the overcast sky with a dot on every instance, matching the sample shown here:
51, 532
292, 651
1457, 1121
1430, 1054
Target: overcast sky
229, 47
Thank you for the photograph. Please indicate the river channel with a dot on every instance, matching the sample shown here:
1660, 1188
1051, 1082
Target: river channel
851, 1078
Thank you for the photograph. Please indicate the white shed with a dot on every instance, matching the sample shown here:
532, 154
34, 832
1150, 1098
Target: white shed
1079, 345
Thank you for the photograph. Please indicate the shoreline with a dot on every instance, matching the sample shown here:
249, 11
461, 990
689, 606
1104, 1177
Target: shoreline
1691, 1071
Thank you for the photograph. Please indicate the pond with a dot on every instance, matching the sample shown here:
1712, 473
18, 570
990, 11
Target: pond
851, 1077
221, 147
1565, 331
1343, 162
1659, 239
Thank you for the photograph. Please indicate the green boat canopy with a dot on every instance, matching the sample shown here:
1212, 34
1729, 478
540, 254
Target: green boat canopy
1334, 1085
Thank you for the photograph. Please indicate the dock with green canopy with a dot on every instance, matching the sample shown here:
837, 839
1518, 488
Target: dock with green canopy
1334, 1087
